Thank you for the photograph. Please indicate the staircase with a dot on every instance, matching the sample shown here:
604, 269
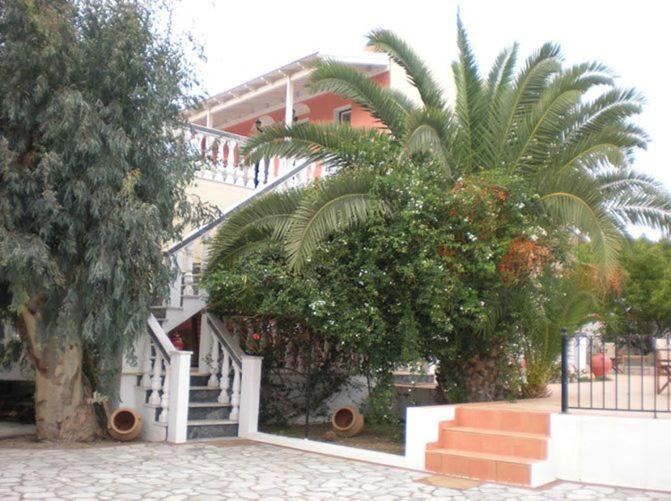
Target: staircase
208, 418
493, 444
176, 403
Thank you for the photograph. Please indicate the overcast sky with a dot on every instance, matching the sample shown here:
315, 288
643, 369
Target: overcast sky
243, 39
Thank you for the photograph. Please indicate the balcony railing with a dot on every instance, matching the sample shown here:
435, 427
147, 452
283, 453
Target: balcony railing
222, 161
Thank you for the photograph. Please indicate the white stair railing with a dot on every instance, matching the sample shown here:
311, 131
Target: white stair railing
225, 365
237, 375
165, 383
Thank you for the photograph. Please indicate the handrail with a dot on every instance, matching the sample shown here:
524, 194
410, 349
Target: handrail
159, 336
225, 214
219, 329
217, 132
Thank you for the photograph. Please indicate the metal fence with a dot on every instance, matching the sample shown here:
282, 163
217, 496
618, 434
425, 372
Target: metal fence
616, 373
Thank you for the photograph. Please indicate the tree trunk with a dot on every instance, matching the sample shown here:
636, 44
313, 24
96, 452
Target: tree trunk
62, 409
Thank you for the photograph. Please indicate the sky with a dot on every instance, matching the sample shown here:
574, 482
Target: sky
244, 39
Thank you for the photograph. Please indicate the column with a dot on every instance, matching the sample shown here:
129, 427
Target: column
289, 104
180, 372
250, 394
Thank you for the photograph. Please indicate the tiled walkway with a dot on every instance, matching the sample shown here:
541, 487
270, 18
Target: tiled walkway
204, 471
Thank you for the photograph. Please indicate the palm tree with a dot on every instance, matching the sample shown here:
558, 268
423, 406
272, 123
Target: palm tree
536, 121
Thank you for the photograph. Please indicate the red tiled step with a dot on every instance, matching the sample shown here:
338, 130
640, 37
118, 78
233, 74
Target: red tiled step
492, 418
481, 466
527, 445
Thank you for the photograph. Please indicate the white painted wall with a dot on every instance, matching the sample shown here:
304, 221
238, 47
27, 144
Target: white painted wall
612, 450
421, 428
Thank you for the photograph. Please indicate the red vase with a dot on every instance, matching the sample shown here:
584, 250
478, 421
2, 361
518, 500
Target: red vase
177, 341
601, 364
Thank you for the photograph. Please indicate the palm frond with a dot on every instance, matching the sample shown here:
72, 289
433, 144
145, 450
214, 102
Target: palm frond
544, 126
338, 203
529, 84
403, 55
497, 85
336, 144
385, 105
430, 131
267, 218
470, 107
636, 199
577, 206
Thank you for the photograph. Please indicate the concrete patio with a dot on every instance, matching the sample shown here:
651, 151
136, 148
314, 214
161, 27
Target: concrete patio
242, 470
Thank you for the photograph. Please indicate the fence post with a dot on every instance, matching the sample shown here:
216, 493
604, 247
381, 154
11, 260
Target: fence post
564, 371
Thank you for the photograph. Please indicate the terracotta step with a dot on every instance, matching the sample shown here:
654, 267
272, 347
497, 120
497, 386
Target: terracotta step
492, 418
527, 445
481, 466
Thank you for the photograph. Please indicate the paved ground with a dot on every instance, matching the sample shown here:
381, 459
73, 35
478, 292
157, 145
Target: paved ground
205, 471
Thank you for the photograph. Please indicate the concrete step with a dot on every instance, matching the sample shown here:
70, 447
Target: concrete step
199, 378
203, 394
491, 418
493, 444
528, 445
481, 466
208, 411
211, 428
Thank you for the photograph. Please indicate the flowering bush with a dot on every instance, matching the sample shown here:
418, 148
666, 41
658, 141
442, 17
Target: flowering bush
449, 277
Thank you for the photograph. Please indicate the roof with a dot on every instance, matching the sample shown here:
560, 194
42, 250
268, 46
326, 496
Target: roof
274, 80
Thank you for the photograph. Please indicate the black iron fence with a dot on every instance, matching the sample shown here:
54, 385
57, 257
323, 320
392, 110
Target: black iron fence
616, 373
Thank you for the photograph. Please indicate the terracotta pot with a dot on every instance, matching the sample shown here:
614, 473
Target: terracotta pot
124, 424
177, 341
601, 364
347, 421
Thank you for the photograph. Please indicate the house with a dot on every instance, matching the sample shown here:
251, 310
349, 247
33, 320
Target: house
210, 387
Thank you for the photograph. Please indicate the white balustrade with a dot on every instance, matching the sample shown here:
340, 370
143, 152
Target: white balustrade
157, 371
221, 373
213, 382
165, 398
224, 379
235, 396
187, 267
222, 161
165, 384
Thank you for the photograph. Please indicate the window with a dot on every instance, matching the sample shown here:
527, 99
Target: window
344, 115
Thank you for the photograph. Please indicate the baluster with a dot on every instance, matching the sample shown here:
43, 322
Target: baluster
155, 397
213, 382
188, 271
276, 166
245, 176
146, 369
165, 398
235, 397
236, 153
266, 170
224, 380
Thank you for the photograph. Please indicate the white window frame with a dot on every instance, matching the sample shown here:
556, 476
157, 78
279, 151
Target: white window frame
338, 111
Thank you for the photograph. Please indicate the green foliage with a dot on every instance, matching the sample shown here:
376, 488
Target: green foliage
93, 169
566, 130
641, 305
485, 199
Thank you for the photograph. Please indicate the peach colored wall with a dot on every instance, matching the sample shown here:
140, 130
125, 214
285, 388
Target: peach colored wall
321, 110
